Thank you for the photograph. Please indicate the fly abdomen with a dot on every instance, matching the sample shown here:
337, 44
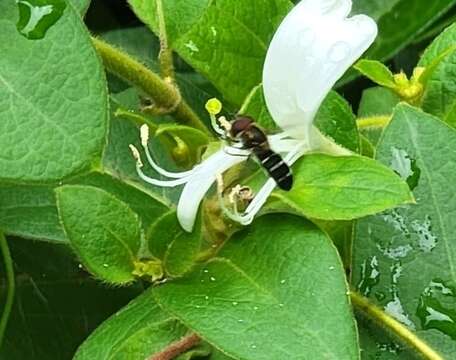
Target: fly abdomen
276, 167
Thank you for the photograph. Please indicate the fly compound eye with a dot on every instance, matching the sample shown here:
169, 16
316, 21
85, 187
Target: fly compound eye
240, 124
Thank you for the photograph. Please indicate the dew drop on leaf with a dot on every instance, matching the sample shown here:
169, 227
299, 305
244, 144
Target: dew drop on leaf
436, 308
37, 16
405, 167
427, 241
394, 307
369, 276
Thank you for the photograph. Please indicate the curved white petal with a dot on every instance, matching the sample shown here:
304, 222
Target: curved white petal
312, 48
201, 180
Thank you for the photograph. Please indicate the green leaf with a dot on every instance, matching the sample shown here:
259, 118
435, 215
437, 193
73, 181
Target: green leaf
57, 305
269, 283
440, 44
135, 332
377, 72
81, 5
399, 21
377, 101
138, 331
103, 231
377, 343
179, 15
335, 119
440, 94
343, 188
52, 124
177, 248
149, 208
30, 211
228, 45
405, 259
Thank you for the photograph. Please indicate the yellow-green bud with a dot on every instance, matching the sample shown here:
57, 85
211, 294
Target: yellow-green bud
150, 269
401, 80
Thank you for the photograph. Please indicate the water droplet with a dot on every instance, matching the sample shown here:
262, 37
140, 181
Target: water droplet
405, 167
396, 310
391, 348
395, 253
331, 268
255, 308
254, 346
398, 221
369, 276
240, 321
281, 305
283, 281
394, 307
206, 297
206, 271
80, 266
436, 308
339, 51
37, 16
105, 265
427, 241
214, 31
234, 303
212, 278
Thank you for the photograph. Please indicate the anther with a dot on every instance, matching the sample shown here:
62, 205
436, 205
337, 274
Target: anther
136, 155
144, 133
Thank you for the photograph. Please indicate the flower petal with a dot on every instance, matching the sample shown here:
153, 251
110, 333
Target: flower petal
312, 48
200, 182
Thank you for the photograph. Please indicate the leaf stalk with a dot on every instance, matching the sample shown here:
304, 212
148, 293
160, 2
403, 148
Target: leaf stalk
373, 312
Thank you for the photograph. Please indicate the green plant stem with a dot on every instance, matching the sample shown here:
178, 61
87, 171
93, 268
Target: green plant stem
11, 285
373, 122
409, 338
177, 348
166, 55
165, 95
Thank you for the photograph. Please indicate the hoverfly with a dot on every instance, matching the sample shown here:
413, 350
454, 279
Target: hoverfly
243, 130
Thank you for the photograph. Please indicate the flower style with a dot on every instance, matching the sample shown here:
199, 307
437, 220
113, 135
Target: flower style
312, 48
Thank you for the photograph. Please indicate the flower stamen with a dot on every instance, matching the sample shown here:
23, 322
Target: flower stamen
144, 141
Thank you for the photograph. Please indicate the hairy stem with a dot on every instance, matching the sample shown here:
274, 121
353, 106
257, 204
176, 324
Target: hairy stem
166, 55
11, 285
176, 348
373, 122
403, 333
165, 95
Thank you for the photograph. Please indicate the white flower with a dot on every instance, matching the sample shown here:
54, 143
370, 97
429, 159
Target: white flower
313, 47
